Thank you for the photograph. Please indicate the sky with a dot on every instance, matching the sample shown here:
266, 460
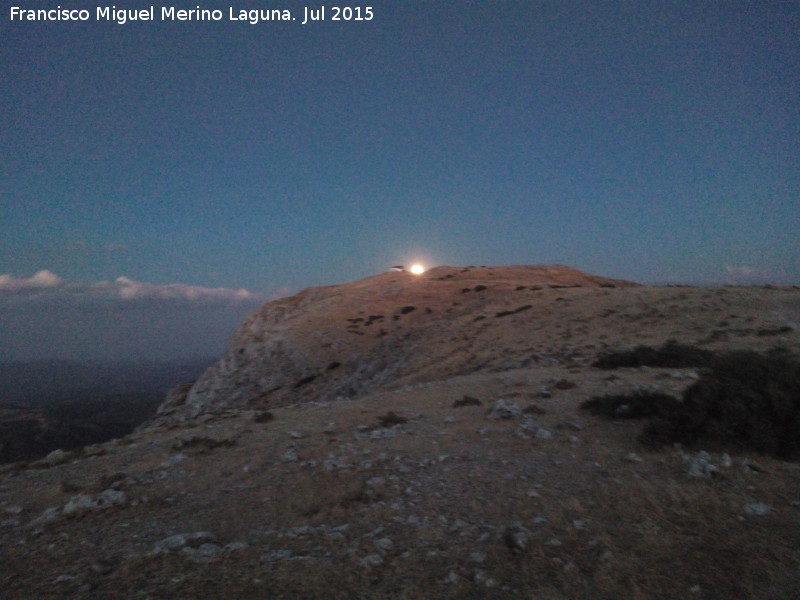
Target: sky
183, 172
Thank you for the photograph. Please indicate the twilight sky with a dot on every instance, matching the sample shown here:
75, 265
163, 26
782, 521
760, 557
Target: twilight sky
160, 167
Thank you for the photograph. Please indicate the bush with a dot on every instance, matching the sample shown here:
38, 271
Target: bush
746, 400
390, 419
638, 405
742, 400
670, 355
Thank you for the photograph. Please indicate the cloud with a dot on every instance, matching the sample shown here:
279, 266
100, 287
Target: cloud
44, 316
45, 286
745, 274
128, 289
741, 271
40, 280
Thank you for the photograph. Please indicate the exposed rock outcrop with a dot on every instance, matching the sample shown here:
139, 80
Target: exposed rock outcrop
348, 340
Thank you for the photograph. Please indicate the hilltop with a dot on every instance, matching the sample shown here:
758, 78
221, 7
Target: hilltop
411, 436
395, 328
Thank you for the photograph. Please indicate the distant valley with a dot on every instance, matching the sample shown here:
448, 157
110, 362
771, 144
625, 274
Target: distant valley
51, 404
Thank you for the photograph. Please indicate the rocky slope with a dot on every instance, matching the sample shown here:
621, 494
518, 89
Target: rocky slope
347, 340
456, 464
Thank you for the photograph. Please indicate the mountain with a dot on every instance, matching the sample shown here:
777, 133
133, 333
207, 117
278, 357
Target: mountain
468, 433
394, 328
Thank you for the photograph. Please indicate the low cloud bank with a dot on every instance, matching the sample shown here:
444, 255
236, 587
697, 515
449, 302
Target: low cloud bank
46, 285
44, 316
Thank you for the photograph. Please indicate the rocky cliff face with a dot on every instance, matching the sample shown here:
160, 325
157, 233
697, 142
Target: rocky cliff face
393, 328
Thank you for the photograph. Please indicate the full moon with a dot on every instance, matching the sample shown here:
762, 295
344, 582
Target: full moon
417, 269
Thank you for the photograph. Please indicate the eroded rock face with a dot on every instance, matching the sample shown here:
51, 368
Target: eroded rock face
394, 328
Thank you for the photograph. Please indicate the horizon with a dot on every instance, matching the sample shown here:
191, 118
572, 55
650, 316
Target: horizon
92, 324
164, 178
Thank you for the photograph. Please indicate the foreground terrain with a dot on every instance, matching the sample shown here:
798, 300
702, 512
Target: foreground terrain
470, 471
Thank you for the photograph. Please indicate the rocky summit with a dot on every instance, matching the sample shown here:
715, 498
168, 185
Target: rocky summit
471, 432
395, 328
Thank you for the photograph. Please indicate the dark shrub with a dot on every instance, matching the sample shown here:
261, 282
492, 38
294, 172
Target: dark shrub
564, 384
306, 380
505, 313
638, 405
407, 309
263, 416
745, 399
670, 355
466, 401
390, 419
775, 331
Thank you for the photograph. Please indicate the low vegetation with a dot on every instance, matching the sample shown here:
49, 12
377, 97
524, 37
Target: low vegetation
743, 400
671, 355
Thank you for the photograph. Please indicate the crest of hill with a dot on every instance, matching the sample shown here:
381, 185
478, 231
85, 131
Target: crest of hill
395, 328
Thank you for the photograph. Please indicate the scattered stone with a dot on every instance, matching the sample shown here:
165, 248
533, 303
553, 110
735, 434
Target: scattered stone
174, 460
758, 509
48, 516
56, 457
183, 540
236, 546
384, 544
101, 567
337, 462
202, 554
749, 466
273, 556
503, 409
106, 499
700, 465
376, 482
371, 560
389, 432
300, 531
516, 538
290, 455
569, 425
298, 435
633, 457
553, 542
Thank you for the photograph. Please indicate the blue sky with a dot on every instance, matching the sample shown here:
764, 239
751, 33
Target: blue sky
652, 141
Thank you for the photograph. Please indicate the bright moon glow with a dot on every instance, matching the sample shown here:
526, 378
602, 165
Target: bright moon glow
417, 269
